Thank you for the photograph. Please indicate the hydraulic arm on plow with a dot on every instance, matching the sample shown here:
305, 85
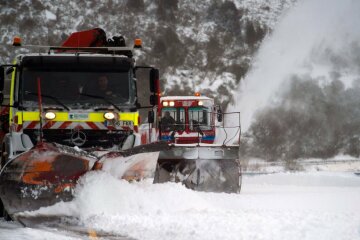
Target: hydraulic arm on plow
71, 109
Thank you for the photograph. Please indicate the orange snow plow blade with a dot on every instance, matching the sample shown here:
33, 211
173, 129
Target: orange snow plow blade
48, 172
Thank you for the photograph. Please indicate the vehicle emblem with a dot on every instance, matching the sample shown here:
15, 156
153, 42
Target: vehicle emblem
78, 138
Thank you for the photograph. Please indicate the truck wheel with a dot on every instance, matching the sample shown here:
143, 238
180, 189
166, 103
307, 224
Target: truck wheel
4, 213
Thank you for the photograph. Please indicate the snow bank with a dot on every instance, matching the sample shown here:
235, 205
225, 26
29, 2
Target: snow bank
280, 206
272, 206
117, 197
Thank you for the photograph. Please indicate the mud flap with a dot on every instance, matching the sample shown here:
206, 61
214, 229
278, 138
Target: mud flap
219, 172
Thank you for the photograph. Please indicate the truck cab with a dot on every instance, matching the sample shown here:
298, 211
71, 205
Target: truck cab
187, 119
74, 96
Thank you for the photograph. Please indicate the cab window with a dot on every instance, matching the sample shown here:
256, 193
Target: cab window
199, 117
172, 119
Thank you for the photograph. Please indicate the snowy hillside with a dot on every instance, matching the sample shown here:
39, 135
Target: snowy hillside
198, 45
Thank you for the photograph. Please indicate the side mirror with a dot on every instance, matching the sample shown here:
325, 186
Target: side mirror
2, 78
154, 80
151, 117
9, 70
219, 115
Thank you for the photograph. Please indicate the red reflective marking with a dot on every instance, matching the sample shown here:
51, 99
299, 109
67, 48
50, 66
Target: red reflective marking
18, 128
48, 125
79, 127
111, 128
32, 125
143, 138
92, 125
65, 125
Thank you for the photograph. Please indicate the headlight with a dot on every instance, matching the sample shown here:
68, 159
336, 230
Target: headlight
172, 103
200, 103
109, 115
50, 115
165, 104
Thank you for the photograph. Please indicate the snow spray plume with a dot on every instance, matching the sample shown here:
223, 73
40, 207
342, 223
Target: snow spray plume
317, 38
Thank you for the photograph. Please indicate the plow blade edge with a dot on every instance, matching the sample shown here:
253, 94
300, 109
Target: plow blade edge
48, 173
201, 168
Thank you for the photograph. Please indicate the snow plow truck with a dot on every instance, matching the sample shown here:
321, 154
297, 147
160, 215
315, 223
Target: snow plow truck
71, 109
197, 156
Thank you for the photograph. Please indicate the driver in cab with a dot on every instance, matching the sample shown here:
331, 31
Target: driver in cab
103, 87
167, 122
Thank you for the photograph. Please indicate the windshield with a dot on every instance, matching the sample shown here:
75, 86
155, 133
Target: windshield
199, 117
172, 119
71, 87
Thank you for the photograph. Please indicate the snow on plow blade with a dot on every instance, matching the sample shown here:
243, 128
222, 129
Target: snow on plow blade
133, 164
206, 168
48, 172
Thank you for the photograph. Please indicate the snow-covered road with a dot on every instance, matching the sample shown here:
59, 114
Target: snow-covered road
312, 205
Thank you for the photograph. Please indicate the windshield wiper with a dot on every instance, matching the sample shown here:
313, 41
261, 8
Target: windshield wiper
51, 97
100, 97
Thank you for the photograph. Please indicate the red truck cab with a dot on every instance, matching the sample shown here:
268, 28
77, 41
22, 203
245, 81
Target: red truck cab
187, 119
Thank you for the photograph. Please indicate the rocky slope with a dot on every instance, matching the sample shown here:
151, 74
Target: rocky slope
198, 45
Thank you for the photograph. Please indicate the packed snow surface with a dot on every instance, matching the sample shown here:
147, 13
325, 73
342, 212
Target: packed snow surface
313, 205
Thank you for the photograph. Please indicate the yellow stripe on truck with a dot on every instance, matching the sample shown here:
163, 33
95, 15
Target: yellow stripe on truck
64, 116
133, 116
11, 102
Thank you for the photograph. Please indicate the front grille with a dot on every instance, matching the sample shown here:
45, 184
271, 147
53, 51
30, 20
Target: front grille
94, 138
